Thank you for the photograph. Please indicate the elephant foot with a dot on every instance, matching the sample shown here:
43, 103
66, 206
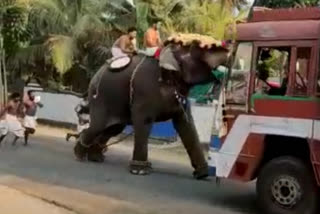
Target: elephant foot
140, 168
95, 153
80, 152
201, 173
97, 158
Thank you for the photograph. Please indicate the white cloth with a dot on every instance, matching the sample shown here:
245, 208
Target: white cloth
84, 122
82, 127
149, 51
117, 52
30, 122
37, 99
11, 124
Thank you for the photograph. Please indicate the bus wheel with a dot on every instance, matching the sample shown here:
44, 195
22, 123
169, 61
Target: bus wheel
286, 185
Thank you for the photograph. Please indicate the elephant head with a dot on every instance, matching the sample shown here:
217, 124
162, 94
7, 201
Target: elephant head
196, 63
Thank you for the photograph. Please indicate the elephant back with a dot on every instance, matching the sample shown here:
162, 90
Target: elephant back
119, 63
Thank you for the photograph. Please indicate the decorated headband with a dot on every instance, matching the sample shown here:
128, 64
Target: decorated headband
206, 42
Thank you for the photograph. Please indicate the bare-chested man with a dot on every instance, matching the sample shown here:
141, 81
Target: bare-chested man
152, 40
9, 118
31, 104
124, 46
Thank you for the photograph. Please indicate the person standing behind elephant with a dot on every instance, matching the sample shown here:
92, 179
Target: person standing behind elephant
124, 45
83, 114
152, 40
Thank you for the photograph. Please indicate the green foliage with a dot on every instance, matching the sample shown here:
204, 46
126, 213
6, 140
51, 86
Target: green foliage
276, 63
206, 17
68, 28
51, 36
210, 18
13, 25
142, 11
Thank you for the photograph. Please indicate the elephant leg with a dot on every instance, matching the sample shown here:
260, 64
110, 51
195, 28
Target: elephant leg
95, 153
84, 143
185, 127
139, 164
88, 136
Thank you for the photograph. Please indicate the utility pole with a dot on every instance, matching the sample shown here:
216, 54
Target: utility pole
3, 76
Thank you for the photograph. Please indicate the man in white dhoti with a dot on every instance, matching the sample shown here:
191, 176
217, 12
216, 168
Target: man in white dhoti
124, 46
31, 103
9, 119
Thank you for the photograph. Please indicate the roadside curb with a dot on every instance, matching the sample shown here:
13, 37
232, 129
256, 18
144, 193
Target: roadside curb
16, 201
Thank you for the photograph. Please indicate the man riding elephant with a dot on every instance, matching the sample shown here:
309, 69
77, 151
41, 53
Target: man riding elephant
135, 96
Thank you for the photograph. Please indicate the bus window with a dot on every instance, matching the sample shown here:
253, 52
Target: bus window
302, 71
272, 71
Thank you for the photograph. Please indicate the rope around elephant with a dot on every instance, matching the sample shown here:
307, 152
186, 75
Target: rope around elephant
135, 71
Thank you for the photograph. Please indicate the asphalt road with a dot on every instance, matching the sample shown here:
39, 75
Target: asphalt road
47, 170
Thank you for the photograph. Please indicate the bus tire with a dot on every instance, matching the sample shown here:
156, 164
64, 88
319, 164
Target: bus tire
287, 185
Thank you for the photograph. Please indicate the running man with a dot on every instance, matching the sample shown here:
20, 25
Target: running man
31, 104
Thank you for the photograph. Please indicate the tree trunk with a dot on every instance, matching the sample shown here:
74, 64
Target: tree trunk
2, 68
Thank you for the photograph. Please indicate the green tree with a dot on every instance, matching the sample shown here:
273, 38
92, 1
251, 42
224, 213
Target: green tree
13, 23
210, 18
64, 30
189, 16
13, 35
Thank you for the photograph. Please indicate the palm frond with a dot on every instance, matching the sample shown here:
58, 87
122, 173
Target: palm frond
86, 23
49, 16
63, 50
27, 55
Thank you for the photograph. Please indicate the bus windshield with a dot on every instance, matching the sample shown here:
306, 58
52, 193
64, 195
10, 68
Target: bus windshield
237, 88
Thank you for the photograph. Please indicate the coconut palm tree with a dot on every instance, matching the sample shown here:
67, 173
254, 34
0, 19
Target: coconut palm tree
209, 18
63, 30
200, 16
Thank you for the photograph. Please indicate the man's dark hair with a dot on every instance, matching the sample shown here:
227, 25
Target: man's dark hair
30, 92
132, 29
153, 21
14, 96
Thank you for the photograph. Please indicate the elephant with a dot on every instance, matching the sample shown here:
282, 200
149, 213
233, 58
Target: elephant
135, 96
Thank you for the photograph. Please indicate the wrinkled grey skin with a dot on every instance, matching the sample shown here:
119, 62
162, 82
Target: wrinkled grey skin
152, 101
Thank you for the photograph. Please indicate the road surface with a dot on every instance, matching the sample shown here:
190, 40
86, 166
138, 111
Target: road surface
48, 171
